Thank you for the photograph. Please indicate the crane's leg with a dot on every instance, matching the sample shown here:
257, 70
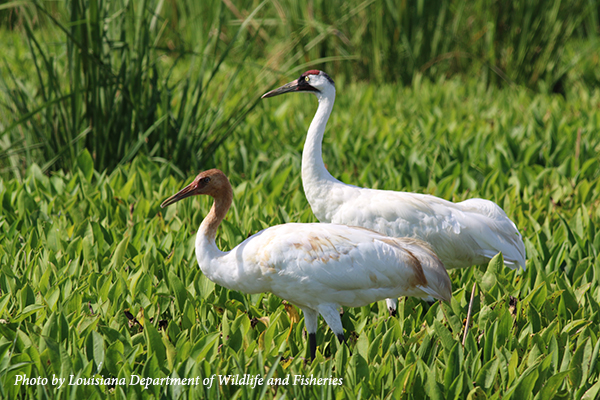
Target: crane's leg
392, 305
332, 317
310, 321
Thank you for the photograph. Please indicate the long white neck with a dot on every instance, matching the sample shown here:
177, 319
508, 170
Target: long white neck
313, 168
317, 181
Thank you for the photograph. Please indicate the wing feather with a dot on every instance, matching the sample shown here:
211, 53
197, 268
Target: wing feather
354, 266
462, 234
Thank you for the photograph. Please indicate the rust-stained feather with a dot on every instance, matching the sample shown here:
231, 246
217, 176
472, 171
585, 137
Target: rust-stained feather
413, 262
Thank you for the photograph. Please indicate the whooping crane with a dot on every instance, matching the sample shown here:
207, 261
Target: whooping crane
461, 234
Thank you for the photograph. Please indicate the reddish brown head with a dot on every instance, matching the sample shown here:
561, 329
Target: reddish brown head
213, 183
302, 84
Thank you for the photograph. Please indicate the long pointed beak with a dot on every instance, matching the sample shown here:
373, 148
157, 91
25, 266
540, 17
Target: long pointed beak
187, 191
288, 87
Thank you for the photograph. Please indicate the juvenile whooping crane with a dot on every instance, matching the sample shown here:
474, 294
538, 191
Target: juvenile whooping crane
317, 267
461, 234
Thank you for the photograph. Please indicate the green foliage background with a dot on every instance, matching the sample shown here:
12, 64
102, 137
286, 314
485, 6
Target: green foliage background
173, 79
79, 250
97, 281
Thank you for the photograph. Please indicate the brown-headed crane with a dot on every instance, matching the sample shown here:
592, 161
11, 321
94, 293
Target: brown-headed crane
318, 267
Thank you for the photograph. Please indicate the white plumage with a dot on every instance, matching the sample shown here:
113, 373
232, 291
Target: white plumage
317, 267
461, 234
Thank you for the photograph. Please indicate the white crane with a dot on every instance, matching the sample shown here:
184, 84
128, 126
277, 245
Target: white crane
461, 234
317, 267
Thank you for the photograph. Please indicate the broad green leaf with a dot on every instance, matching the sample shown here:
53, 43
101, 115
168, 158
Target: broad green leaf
476, 394
432, 387
28, 311
553, 384
178, 289
494, 267
444, 334
359, 367
86, 164
156, 347
487, 374
453, 364
95, 350
592, 393
119, 254
3, 302
115, 354
579, 365
523, 388
203, 346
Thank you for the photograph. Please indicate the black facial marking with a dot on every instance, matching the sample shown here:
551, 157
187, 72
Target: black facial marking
304, 85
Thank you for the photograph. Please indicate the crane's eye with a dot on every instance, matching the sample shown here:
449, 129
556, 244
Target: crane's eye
307, 79
206, 180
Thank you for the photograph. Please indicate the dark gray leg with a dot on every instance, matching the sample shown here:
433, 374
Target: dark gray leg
312, 344
310, 321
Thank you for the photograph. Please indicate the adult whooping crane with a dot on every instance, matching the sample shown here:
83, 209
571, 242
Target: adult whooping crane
317, 267
461, 234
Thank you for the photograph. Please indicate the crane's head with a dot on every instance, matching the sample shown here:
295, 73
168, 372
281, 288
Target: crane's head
212, 183
313, 81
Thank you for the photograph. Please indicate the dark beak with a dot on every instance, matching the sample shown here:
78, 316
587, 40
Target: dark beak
187, 191
288, 87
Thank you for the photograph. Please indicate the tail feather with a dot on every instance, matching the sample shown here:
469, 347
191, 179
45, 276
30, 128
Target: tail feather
440, 295
439, 285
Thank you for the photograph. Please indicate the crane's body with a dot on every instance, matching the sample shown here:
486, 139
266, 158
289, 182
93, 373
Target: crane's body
317, 267
314, 264
461, 234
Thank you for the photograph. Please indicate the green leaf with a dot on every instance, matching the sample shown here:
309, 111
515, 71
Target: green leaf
27, 311
115, 355
523, 388
592, 393
433, 388
156, 347
453, 364
205, 285
178, 289
444, 334
359, 367
493, 270
476, 394
578, 365
341, 357
487, 374
95, 350
593, 359
117, 260
3, 302
204, 345
553, 384
53, 350
86, 164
